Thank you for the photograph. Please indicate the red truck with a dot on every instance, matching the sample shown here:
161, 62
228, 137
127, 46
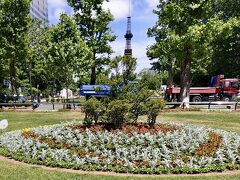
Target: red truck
219, 89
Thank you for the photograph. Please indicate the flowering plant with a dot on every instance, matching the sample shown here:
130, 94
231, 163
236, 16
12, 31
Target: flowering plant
171, 148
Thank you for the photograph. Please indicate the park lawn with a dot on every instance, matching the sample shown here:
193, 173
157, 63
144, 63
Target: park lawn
223, 120
13, 171
229, 121
21, 120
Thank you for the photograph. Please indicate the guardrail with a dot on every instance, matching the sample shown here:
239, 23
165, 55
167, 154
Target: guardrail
66, 105
209, 104
14, 105
74, 105
69, 105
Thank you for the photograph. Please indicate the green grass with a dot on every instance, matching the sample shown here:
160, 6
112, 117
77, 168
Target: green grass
21, 120
229, 121
224, 120
10, 171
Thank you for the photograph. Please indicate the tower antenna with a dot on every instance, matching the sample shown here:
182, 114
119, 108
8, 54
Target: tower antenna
129, 6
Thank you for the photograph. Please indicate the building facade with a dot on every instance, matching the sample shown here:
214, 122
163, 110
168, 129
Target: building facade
39, 9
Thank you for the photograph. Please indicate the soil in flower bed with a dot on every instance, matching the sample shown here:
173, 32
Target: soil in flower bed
127, 128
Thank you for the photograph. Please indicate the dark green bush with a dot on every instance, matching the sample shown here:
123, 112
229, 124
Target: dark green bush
154, 107
117, 111
138, 103
126, 105
92, 110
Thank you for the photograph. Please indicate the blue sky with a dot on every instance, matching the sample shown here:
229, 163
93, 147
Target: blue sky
142, 19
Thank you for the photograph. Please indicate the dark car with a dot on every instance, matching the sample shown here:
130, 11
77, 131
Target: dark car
6, 99
2, 98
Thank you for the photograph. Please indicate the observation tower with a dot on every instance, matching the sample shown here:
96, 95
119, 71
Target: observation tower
128, 36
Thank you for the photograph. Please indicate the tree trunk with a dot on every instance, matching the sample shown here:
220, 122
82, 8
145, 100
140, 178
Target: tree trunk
186, 74
93, 75
93, 70
13, 76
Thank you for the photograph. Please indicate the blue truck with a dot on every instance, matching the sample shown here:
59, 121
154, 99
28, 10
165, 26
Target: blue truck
95, 90
100, 90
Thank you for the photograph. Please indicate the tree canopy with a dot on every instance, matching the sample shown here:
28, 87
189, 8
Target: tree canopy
195, 38
93, 23
14, 25
66, 52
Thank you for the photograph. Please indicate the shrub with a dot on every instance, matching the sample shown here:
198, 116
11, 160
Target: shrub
92, 109
139, 101
117, 111
129, 102
153, 108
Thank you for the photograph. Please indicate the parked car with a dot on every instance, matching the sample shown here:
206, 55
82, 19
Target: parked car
6, 99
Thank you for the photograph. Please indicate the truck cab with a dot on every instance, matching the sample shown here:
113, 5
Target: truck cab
229, 89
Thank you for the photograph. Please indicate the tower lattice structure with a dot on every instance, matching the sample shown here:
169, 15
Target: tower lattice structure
128, 36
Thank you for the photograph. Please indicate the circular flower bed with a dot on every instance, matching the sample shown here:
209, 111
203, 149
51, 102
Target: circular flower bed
168, 148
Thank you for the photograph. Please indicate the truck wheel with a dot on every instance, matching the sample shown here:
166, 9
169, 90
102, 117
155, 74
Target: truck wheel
226, 99
197, 99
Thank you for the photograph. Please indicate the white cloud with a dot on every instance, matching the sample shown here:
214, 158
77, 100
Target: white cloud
56, 7
152, 4
57, 13
57, 3
119, 8
140, 52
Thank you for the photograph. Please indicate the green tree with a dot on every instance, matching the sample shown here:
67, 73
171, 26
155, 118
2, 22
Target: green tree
66, 53
225, 41
164, 50
93, 23
225, 49
33, 74
226, 9
181, 23
14, 25
123, 68
151, 79
129, 64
